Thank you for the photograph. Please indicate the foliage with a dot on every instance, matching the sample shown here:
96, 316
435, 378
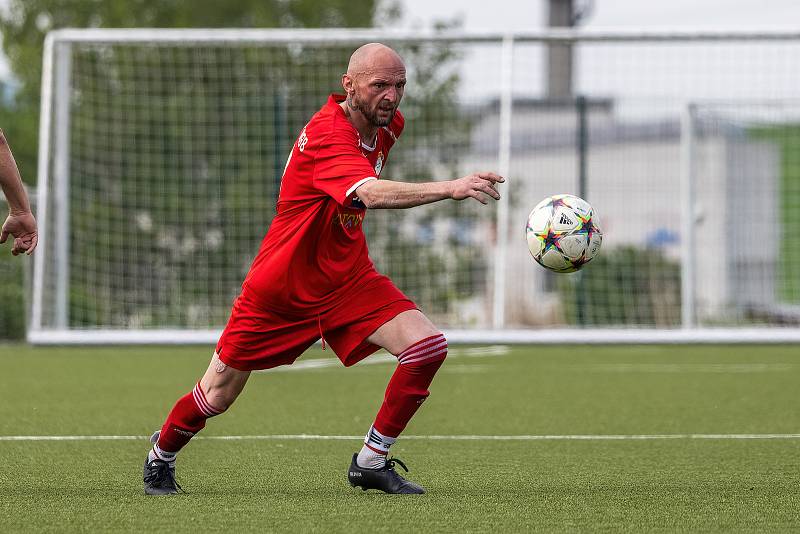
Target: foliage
12, 286
624, 286
167, 261
24, 24
788, 140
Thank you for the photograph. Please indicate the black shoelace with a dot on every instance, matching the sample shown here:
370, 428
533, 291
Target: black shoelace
392, 461
161, 476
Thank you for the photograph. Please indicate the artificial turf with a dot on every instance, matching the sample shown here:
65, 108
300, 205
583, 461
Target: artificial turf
717, 480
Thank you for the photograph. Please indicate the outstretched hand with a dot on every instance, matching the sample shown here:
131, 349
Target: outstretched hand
22, 227
480, 186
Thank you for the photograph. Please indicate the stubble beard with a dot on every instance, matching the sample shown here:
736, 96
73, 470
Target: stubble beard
355, 104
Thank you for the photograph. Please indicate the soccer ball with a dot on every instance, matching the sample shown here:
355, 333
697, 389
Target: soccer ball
563, 233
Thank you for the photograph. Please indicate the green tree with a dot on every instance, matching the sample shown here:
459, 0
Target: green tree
617, 294
24, 24
164, 279
12, 316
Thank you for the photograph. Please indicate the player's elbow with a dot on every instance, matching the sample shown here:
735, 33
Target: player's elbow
372, 202
369, 195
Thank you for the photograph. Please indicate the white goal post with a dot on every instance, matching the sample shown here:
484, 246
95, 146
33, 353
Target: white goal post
161, 153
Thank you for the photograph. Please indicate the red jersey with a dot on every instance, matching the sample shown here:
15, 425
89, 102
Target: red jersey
315, 251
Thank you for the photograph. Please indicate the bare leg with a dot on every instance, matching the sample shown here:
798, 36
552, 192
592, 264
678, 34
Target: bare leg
403, 331
222, 384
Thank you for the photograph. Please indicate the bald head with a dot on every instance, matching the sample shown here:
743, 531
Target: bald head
374, 57
374, 83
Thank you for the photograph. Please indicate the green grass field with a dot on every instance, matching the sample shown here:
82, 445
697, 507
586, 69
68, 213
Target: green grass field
670, 483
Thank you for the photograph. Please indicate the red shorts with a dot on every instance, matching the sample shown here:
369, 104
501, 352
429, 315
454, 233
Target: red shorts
257, 338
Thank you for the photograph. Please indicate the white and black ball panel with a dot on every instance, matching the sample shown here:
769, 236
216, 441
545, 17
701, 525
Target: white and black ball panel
573, 246
554, 260
594, 245
564, 219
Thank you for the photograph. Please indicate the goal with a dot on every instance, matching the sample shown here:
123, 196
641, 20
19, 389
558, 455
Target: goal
161, 153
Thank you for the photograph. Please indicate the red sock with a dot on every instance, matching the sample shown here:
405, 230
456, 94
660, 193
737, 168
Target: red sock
187, 418
408, 387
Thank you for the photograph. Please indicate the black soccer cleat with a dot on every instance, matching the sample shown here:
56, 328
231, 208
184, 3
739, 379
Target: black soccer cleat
159, 477
385, 479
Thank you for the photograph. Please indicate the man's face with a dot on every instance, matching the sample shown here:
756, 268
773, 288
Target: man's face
376, 94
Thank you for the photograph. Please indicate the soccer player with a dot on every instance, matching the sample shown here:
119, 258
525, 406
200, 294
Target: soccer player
312, 277
20, 223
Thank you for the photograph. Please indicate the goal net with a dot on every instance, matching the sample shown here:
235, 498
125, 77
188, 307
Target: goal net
162, 153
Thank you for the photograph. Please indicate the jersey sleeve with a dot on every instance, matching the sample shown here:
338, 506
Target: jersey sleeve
340, 167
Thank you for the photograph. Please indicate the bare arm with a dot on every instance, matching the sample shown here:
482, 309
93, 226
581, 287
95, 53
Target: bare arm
20, 222
389, 194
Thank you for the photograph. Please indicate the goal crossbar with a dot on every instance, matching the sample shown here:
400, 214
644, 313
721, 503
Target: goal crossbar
352, 36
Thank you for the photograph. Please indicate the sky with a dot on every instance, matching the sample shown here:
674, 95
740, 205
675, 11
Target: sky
531, 14
716, 77
512, 15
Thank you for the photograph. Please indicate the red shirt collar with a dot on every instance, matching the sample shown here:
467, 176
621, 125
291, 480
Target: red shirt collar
335, 99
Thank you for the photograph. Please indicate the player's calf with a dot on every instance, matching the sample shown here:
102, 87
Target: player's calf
187, 418
407, 390
211, 396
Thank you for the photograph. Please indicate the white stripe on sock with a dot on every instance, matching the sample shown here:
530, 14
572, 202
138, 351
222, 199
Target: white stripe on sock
376, 440
202, 403
437, 342
429, 356
164, 456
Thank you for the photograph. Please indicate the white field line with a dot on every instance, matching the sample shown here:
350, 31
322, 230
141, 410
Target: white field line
384, 357
683, 367
543, 437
